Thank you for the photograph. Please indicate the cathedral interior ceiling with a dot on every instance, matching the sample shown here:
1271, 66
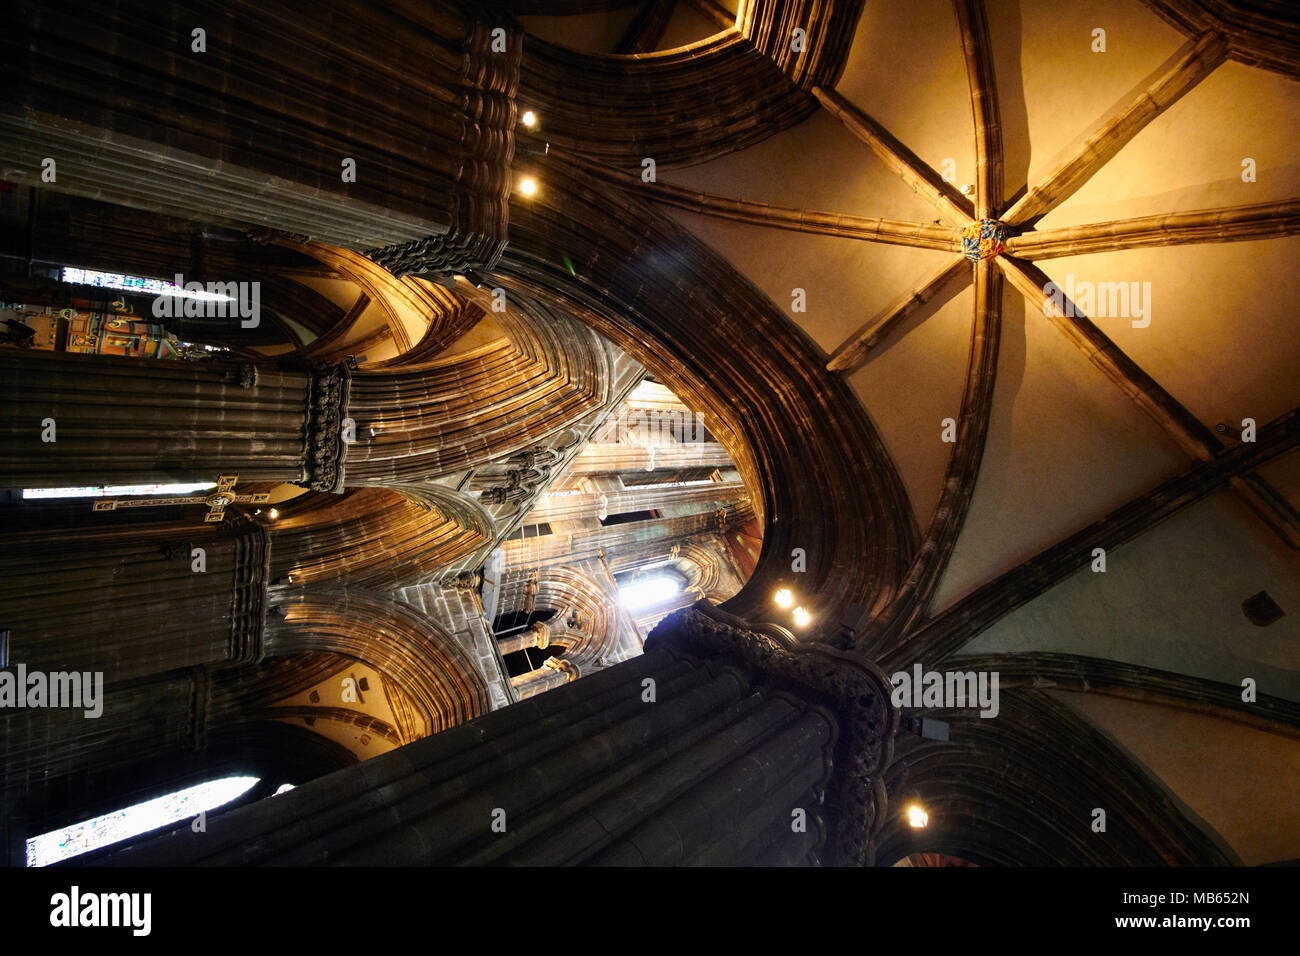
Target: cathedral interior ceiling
997, 346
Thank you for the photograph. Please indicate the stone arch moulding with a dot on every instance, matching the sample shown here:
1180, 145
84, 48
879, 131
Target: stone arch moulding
802, 442
393, 637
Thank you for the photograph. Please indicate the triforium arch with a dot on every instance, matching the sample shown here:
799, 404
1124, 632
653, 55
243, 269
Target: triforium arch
796, 434
422, 658
573, 614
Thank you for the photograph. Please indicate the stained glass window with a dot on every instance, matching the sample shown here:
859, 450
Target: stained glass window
116, 280
112, 828
101, 491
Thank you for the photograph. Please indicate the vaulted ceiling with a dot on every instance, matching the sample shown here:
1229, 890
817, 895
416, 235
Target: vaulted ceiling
1164, 122
762, 203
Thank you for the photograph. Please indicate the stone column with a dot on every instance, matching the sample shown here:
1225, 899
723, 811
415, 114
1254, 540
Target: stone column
129, 602
131, 421
720, 745
554, 672
251, 114
537, 634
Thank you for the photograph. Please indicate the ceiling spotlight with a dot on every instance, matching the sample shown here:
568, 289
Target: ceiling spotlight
528, 185
274, 514
917, 818
784, 598
529, 119
801, 617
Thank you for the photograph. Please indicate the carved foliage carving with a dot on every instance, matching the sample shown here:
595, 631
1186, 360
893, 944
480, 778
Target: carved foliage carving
327, 398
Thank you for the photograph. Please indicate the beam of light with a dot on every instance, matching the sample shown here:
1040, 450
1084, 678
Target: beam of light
649, 592
132, 821
114, 491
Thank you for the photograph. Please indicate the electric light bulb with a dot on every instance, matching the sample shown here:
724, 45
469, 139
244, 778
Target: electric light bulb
528, 186
529, 119
917, 817
784, 598
801, 617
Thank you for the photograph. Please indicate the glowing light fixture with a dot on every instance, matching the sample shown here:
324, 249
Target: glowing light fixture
784, 598
801, 617
529, 119
528, 186
917, 818
274, 514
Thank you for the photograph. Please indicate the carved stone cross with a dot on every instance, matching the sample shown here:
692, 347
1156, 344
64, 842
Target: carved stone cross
216, 502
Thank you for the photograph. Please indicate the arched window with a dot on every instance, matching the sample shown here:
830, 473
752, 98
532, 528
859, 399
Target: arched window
529, 659
648, 588
123, 824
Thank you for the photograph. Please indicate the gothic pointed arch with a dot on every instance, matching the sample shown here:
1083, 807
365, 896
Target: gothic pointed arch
392, 636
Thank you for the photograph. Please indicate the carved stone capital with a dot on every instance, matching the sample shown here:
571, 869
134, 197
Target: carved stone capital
248, 604
850, 687
242, 373
265, 236
327, 406
454, 252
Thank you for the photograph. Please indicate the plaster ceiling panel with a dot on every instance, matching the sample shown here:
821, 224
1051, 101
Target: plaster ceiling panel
817, 165
687, 25
1220, 340
1190, 157
586, 33
1064, 448
1171, 599
1243, 782
845, 282
1283, 473
912, 382
905, 70
1061, 87
341, 292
